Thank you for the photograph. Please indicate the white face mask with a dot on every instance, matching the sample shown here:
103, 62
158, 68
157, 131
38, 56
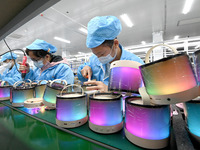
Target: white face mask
38, 64
108, 58
7, 65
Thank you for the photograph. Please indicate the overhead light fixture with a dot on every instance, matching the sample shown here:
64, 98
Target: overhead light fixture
188, 21
62, 40
187, 6
83, 30
176, 37
143, 42
126, 20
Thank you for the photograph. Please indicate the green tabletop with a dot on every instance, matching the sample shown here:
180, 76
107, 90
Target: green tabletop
116, 140
19, 131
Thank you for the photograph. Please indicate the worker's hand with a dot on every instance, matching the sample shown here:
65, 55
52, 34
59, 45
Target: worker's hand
98, 85
22, 67
86, 72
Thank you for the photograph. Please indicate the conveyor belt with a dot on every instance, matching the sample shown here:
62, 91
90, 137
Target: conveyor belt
111, 141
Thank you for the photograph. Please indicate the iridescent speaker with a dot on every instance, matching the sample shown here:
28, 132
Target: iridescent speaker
40, 88
145, 125
192, 113
71, 109
4, 90
125, 76
52, 89
21, 91
105, 113
169, 80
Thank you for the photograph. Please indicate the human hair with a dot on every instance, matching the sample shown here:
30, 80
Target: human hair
39, 53
108, 43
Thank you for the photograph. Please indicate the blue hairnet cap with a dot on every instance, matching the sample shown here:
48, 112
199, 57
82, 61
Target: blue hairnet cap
41, 44
102, 28
8, 56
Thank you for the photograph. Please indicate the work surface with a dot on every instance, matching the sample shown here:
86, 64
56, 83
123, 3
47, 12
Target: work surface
37, 129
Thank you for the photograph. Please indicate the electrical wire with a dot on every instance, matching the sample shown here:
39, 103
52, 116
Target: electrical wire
10, 50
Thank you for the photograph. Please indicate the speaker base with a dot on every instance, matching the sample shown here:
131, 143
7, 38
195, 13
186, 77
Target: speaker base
71, 124
106, 129
146, 143
175, 98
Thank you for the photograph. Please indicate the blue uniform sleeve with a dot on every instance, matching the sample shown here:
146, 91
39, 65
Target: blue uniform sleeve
16, 76
30, 75
138, 59
64, 72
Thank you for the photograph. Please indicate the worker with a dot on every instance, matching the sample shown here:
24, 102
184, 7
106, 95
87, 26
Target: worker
102, 39
47, 65
9, 70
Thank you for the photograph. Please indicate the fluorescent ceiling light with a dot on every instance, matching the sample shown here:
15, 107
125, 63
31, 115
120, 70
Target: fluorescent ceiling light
143, 42
126, 20
187, 6
83, 30
176, 37
62, 40
188, 21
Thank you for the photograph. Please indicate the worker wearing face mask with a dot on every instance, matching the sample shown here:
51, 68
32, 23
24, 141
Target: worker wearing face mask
8, 70
102, 39
47, 66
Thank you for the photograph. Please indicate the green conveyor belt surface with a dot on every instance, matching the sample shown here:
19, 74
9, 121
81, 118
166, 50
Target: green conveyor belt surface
117, 140
21, 132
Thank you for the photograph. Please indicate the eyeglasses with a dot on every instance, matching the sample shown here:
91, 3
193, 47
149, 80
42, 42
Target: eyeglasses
36, 60
7, 60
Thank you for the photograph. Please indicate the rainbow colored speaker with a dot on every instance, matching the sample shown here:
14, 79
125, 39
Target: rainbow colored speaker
105, 113
145, 125
125, 76
4, 90
192, 113
71, 109
52, 89
169, 80
20, 93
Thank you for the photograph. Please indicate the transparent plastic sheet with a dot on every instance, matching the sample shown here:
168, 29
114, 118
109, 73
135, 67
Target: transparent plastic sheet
147, 122
169, 75
192, 113
105, 112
